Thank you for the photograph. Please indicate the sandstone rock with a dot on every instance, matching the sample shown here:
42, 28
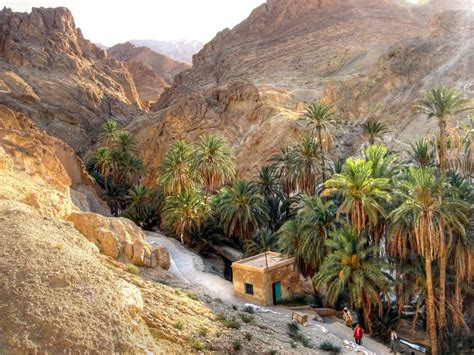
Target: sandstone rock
44, 60
151, 71
118, 238
162, 257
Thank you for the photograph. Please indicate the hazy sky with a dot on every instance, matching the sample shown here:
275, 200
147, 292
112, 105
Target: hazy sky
110, 22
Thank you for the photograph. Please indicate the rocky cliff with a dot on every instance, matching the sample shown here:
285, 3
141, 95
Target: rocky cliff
152, 72
66, 84
368, 57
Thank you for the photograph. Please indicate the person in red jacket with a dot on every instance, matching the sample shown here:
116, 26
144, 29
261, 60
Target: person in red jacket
358, 334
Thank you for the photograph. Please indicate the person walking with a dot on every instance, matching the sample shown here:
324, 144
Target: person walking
393, 341
347, 317
358, 334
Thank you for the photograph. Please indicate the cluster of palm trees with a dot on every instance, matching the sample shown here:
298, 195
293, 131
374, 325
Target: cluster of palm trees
374, 231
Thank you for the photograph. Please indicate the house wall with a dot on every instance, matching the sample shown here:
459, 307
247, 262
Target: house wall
289, 282
241, 275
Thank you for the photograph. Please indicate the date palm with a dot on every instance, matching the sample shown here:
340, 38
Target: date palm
421, 203
373, 129
442, 103
184, 211
103, 164
421, 153
307, 164
361, 192
267, 181
138, 199
213, 163
284, 166
322, 117
125, 142
131, 170
241, 209
108, 133
264, 240
351, 268
175, 173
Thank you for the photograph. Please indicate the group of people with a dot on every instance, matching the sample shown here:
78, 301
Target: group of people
358, 333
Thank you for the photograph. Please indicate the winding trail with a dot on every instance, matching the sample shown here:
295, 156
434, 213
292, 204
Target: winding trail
189, 268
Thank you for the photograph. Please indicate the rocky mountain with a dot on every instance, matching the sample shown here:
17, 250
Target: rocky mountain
180, 50
66, 84
152, 72
251, 83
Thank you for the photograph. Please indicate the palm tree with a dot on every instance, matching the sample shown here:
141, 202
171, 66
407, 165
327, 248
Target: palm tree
131, 169
307, 157
362, 193
184, 211
383, 162
138, 198
421, 153
351, 268
373, 129
264, 240
125, 142
175, 173
108, 133
283, 165
103, 163
422, 203
442, 103
322, 117
241, 209
267, 181
213, 163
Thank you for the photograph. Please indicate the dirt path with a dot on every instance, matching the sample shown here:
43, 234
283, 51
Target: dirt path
189, 268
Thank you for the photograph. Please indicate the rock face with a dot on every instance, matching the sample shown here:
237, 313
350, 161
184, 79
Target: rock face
369, 57
45, 173
151, 71
57, 294
49, 72
119, 238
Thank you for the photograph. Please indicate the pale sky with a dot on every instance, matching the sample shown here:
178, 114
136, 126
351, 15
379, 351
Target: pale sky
114, 21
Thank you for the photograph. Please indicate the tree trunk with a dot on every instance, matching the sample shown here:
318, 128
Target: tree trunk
442, 246
323, 161
431, 327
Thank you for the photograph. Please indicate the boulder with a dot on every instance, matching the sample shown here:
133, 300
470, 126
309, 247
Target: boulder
120, 239
228, 253
162, 257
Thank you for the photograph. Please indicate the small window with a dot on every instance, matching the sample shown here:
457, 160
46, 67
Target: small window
249, 289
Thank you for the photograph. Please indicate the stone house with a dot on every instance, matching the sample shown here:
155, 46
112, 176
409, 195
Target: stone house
265, 279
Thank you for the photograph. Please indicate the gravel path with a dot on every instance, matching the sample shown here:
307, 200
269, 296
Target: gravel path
189, 268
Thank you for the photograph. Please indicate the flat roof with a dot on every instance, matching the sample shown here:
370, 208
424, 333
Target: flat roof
265, 260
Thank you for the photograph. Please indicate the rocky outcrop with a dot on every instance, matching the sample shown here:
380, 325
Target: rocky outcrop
64, 83
152, 72
45, 173
363, 56
119, 238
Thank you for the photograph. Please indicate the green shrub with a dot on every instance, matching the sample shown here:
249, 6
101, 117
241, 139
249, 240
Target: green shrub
246, 318
177, 292
192, 295
203, 331
179, 324
237, 345
218, 334
327, 346
295, 335
248, 336
248, 309
196, 344
273, 352
221, 316
132, 269
297, 300
231, 323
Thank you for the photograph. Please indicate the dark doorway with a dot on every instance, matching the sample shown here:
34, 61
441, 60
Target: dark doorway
276, 290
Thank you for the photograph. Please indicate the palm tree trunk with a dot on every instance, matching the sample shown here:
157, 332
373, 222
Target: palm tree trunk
323, 161
429, 291
442, 246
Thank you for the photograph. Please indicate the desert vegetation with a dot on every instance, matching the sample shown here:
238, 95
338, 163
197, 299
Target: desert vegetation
373, 230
